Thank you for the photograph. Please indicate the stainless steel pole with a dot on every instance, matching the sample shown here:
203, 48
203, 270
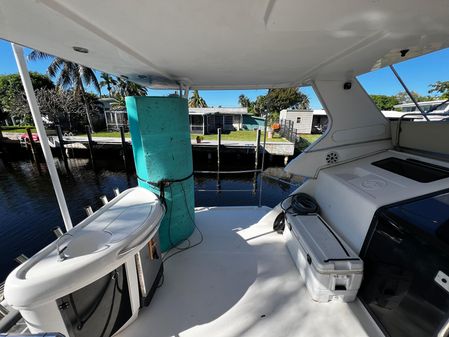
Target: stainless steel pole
32, 102
393, 69
263, 156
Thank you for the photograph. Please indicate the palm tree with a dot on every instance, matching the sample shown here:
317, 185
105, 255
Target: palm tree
196, 101
125, 88
244, 101
70, 75
107, 81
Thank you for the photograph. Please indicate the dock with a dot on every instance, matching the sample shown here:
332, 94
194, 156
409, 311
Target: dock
81, 142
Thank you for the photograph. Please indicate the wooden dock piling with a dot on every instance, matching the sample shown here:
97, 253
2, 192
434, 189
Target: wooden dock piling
31, 140
90, 143
218, 148
61, 142
256, 150
218, 158
122, 136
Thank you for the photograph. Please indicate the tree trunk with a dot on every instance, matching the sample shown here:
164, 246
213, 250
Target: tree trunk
86, 105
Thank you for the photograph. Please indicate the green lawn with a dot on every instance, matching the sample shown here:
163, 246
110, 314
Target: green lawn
17, 129
114, 134
243, 135
310, 138
306, 140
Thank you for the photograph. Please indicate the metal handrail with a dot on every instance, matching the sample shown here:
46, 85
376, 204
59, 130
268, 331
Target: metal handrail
398, 130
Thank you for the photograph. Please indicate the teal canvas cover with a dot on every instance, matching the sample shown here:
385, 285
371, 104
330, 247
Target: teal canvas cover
162, 150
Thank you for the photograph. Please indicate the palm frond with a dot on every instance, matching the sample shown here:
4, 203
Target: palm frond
38, 55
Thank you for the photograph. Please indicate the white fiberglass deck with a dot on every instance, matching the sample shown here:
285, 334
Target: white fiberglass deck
240, 282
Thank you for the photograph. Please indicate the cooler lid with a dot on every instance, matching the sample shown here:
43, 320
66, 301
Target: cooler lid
329, 253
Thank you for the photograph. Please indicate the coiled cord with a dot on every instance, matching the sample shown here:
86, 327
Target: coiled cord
300, 204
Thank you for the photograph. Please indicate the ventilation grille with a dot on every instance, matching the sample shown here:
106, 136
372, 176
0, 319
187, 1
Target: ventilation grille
332, 157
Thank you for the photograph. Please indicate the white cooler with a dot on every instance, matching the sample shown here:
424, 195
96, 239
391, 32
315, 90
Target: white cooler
330, 269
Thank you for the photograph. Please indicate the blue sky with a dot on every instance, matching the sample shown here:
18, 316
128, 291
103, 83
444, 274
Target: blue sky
417, 73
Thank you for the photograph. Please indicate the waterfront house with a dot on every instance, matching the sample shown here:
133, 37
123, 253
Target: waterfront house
208, 120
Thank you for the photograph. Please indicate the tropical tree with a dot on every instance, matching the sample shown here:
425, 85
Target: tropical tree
125, 88
13, 101
384, 102
64, 108
403, 97
70, 75
244, 101
283, 98
108, 81
196, 101
440, 87
276, 100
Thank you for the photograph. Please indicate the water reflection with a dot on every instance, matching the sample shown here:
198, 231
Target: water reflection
29, 210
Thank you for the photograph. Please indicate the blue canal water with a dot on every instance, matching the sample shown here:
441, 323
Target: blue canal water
29, 211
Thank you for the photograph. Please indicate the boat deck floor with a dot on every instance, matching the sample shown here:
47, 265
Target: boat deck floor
241, 281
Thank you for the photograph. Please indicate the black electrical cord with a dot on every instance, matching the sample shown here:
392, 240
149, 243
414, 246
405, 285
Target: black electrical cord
300, 204
82, 321
108, 320
179, 250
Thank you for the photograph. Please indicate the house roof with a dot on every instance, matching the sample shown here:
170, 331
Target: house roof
108, 99
208, 111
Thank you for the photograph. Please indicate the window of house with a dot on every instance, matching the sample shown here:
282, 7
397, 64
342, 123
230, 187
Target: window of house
298, 119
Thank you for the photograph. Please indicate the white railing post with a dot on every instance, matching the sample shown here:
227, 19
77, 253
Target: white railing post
32, 102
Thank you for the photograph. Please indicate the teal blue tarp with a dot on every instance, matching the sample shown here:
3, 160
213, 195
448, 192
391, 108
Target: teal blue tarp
160, 136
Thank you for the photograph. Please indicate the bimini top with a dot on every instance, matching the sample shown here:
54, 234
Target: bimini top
229, 44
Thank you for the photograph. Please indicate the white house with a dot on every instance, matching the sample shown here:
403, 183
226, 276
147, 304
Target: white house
301, 119
315, 121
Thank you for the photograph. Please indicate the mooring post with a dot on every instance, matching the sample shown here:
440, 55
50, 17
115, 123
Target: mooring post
256, 153
61, 142
30, 138
218, 157
218, 148
122, 136
256, 160
91, 143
